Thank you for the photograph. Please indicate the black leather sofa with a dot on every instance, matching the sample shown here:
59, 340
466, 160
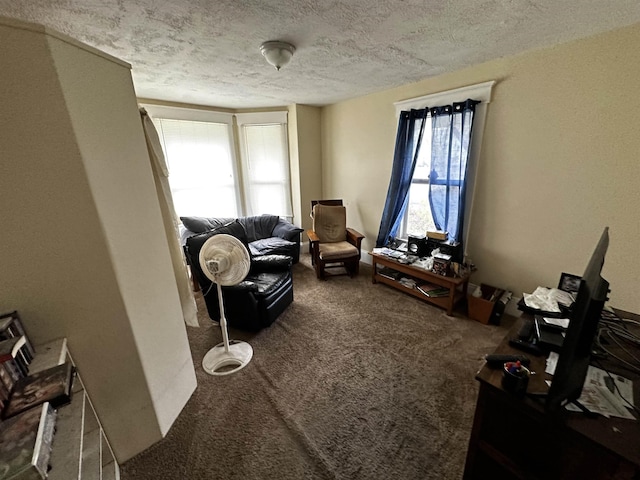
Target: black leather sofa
260, 298
265, 234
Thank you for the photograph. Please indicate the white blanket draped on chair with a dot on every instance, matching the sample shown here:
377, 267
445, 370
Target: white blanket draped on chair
171, 222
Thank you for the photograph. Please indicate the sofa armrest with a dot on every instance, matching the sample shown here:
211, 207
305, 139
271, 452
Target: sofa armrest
208, 288
287, 230
271, 263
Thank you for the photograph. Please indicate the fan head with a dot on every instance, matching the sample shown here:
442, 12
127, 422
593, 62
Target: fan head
224, 259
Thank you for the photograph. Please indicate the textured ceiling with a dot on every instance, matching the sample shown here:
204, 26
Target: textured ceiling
207, 51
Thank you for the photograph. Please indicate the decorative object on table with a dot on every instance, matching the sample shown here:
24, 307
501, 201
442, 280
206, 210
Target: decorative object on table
441, 263
515, 377
437, 234
569, 283
417, 245
225, 261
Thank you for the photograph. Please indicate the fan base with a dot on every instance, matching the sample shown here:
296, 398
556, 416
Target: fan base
218, 361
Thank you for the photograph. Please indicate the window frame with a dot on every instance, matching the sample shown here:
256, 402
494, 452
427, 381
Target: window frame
479, 91
259, 119
206, 116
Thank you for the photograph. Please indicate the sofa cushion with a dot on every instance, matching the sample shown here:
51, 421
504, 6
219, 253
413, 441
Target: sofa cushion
259, 227
267, 282
204, 224
273, 245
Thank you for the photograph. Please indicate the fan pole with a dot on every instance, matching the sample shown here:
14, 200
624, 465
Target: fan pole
223, 320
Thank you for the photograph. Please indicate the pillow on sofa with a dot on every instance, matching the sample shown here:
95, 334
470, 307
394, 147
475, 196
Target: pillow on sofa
272, 245
204, 224
259, 227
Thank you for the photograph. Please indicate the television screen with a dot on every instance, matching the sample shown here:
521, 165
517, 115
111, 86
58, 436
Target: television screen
575, 354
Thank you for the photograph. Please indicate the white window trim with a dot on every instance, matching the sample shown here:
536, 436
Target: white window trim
192, 114
479, 91
261, 118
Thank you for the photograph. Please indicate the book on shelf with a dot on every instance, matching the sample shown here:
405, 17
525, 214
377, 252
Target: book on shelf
53, 385
13, 369
11, 326
4, 396
390, 273
408, 282
431, 290
6, 377
15, 349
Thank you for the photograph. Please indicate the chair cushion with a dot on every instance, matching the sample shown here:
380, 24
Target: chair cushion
337, 251
330, 223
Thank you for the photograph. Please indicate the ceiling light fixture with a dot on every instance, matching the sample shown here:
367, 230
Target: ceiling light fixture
277, 53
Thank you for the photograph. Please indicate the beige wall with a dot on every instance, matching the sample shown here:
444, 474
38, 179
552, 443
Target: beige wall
84, 252
306, 160
559, 162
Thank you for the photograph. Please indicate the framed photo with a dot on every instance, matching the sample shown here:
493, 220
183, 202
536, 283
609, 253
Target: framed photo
569, 283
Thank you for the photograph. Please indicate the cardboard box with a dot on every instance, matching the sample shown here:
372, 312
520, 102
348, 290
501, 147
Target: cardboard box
481, 308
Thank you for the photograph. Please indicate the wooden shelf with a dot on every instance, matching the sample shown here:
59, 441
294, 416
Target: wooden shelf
457, 286
80, 449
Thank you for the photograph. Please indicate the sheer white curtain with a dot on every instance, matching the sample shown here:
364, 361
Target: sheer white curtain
202, 167
265, 163
161, 178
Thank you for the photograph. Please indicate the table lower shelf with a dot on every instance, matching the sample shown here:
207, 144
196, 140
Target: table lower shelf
457, 286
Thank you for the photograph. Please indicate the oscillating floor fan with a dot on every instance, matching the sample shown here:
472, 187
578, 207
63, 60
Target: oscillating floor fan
225, 261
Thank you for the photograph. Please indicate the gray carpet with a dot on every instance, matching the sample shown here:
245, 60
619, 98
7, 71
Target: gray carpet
353, 381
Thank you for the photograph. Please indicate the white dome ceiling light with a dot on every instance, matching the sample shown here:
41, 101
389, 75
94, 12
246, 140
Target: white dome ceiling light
277, 53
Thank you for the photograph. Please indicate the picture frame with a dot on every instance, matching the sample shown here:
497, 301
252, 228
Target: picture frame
569, 282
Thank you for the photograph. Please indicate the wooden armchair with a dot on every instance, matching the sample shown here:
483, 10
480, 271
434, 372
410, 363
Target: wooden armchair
332, 244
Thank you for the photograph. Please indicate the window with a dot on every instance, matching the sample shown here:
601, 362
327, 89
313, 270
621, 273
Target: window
201, 167
265, 163
417, 217
205, 175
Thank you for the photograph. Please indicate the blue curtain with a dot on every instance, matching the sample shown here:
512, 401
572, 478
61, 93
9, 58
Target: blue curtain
451, 136
411, 123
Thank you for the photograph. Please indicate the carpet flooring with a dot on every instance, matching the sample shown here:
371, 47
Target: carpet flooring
352, 381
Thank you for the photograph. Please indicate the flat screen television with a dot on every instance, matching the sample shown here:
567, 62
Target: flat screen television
575, 355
